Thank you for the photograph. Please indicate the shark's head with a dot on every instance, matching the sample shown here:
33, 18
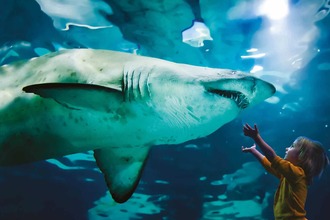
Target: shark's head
211, 97
241, 89
235, 87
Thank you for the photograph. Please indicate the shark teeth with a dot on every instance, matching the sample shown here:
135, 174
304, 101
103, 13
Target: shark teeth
239, 98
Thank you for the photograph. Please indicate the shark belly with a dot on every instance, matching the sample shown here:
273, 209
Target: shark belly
54, 131
37, 129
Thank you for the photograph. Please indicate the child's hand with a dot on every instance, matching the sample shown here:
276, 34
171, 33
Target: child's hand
250, 132
249, 149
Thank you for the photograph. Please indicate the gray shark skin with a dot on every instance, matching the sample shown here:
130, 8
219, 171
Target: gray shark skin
114, 103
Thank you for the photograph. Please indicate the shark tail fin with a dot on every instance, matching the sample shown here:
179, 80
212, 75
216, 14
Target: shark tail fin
122, 169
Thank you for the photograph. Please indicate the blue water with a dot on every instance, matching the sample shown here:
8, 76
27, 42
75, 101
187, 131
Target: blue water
208, 178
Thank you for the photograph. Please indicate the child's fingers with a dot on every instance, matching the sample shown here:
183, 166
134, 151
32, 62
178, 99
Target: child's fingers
255, 127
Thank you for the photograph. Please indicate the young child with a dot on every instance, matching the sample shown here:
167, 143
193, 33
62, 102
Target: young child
303, 160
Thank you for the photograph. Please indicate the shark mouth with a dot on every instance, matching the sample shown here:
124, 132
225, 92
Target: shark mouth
239, 98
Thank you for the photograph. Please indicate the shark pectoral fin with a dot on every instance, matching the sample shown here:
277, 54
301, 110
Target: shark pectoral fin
78, 96
122, 168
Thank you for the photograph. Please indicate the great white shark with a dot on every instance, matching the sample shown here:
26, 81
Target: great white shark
118, 105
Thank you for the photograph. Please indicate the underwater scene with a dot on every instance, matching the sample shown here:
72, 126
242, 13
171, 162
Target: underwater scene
134, 109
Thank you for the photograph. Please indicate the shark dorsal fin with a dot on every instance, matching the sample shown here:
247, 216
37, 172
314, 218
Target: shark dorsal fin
77, 95
121, 169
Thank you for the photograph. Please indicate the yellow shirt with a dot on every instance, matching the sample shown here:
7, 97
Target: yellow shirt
290, 196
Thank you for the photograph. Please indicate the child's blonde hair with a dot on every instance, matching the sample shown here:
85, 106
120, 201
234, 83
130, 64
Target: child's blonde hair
312, 157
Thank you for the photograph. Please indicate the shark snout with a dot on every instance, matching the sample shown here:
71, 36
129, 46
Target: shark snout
261, 90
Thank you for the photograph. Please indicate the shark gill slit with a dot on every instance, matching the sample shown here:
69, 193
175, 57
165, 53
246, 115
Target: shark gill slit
147, 84
128, 82
133, 85
138, 85
141, 85
125, 86
131, 88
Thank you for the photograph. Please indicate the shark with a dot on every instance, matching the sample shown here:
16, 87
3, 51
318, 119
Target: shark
117, 104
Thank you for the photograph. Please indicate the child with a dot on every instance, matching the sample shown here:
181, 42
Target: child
303, 160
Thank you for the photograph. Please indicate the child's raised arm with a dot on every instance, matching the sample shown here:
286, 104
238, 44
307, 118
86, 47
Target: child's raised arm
253, 151
265, 148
